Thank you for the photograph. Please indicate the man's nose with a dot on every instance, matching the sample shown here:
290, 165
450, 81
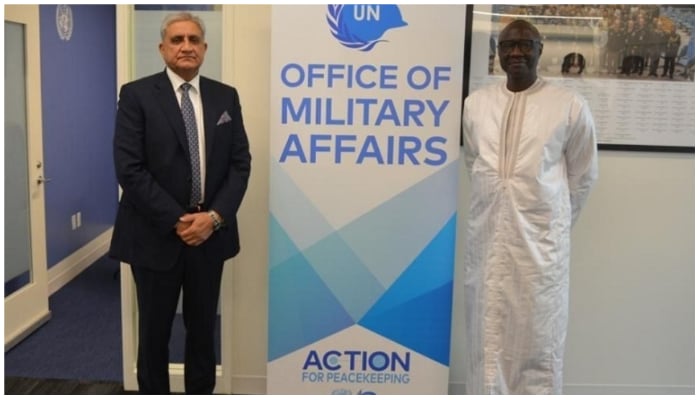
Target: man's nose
516, 51
187, 45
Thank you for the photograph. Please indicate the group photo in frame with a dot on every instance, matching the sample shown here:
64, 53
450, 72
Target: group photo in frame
635, 65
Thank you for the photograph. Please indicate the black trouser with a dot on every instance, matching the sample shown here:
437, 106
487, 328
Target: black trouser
157, 296
632, 64
653, 64
669, 66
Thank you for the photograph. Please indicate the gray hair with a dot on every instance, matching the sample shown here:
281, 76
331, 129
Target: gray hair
178, 17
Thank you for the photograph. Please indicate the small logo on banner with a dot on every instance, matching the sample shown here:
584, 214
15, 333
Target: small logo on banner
64, 21
361, 26
349, 392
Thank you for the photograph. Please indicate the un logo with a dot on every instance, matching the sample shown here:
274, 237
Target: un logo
64, 21
361, 26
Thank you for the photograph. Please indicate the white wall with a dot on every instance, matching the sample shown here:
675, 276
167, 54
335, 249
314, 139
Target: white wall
632, 281
631, 327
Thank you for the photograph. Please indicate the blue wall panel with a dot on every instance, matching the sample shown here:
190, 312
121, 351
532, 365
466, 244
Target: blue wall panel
78, 84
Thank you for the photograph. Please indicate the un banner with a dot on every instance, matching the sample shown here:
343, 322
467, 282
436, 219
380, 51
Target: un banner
366, 105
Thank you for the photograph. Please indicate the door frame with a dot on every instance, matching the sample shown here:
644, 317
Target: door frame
28, 308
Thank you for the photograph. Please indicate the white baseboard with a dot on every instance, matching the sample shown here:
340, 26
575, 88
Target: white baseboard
606, 389
249, 384
456, 388
68, 268
241, 384
611, 389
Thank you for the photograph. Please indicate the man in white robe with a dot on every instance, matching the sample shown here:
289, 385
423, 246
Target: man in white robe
530, 149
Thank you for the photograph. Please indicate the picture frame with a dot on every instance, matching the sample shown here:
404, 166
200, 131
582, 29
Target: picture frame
585, 48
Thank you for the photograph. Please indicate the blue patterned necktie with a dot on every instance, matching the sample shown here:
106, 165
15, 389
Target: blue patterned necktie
193, 143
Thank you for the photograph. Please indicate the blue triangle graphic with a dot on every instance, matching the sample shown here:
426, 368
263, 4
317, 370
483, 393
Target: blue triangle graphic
302, 309
417, 310
281, 246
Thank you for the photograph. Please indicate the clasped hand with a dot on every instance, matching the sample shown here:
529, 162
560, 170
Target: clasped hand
195, 228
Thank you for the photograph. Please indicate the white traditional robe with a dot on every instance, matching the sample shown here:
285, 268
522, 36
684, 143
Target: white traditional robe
531, 158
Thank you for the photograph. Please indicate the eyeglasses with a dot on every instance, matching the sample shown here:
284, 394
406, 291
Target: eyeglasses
525, 46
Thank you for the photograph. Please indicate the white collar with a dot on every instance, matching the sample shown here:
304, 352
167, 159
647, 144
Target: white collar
177, 81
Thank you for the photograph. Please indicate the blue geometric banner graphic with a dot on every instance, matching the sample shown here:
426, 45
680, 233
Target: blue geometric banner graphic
366, 104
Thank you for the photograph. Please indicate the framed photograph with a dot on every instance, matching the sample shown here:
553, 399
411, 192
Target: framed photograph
635, 65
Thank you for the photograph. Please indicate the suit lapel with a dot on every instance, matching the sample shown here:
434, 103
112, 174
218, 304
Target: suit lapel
210, 117
171, 108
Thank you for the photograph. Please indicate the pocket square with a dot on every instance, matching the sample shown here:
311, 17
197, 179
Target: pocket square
224, 118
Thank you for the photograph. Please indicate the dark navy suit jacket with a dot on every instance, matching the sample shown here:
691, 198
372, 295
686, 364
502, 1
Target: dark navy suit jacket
153, 169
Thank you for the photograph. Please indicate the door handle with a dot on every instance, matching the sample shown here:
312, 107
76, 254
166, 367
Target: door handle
41, 180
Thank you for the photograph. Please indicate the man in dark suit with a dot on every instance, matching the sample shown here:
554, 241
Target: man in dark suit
184, 174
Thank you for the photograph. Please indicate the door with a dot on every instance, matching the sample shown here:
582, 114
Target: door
26, 288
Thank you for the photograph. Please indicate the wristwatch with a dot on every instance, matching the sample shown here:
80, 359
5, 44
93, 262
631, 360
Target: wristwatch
215, 218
